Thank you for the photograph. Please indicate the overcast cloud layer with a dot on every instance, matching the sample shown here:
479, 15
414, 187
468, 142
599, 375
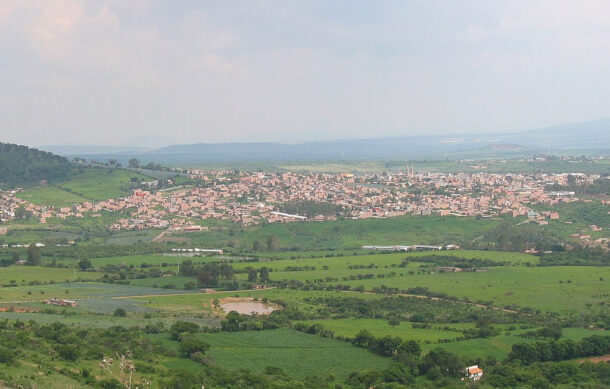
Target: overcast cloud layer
110, 72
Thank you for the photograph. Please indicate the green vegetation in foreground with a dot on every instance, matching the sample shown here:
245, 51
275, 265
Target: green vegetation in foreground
298, 354
84, 184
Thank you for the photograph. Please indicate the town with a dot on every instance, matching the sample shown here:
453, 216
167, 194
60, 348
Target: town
255, 198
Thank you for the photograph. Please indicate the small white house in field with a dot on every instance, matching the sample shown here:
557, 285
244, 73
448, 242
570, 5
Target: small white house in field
474, 372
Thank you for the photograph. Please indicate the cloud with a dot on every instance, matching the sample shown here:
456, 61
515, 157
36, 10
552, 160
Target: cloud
109, 71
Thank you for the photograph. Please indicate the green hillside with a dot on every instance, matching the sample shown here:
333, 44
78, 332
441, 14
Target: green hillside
21, 165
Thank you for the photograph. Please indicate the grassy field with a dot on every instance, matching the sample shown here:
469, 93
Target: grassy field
560, 289
349, 234
297, 354
499, 346
378, 327
555, 289
93, 184
78, 290
37, 274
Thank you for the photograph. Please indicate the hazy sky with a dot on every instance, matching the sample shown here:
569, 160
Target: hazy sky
110, 72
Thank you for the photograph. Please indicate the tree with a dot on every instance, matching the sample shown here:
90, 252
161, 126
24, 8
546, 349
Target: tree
181, 326
394, 321
364, 339
112, 161
85, 264
189, 344
6, 355
120, 312
273, 243
22, 213
441, 360
410, 347
252, 275
34, 255
68, 352
387, 345
523, 352
264, 274
133, 163
257, 246
231, 322
187, 268
206, 279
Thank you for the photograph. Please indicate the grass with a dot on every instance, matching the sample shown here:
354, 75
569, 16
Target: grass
78, 290
38, 274
92, 184
297, 354
348, 234
350, 327
560, 289
499, 346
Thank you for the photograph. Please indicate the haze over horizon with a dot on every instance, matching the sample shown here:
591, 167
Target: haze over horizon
110, 72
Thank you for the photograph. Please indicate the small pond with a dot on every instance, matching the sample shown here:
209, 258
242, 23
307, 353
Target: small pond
246, 307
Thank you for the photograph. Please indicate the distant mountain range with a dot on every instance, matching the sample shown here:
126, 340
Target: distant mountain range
579, 136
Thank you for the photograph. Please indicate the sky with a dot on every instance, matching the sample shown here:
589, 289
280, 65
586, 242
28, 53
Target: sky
152, 72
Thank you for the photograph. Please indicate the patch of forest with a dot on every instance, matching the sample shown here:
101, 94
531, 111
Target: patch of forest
21, 165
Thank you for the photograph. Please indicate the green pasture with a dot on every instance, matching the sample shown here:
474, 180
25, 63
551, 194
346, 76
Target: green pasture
339, 266
51, 196
174, 282
92, 184
499, 346
560, 289
78, 291
132, 237
348, 234
379, 327
297, 354
38, 274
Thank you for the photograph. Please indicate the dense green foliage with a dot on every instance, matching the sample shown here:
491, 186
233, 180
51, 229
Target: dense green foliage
20, 165
559, 351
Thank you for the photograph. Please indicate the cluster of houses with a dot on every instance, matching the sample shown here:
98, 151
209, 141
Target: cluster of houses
61, 302
255, 198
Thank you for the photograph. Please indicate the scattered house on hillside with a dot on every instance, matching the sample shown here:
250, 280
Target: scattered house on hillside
62, 303
448, 269
423, 247
474, 372
258, 286
388, 248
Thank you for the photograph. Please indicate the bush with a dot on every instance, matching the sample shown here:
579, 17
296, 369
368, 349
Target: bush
190, 345
120, 312
6, 355
181, 326
68, 352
